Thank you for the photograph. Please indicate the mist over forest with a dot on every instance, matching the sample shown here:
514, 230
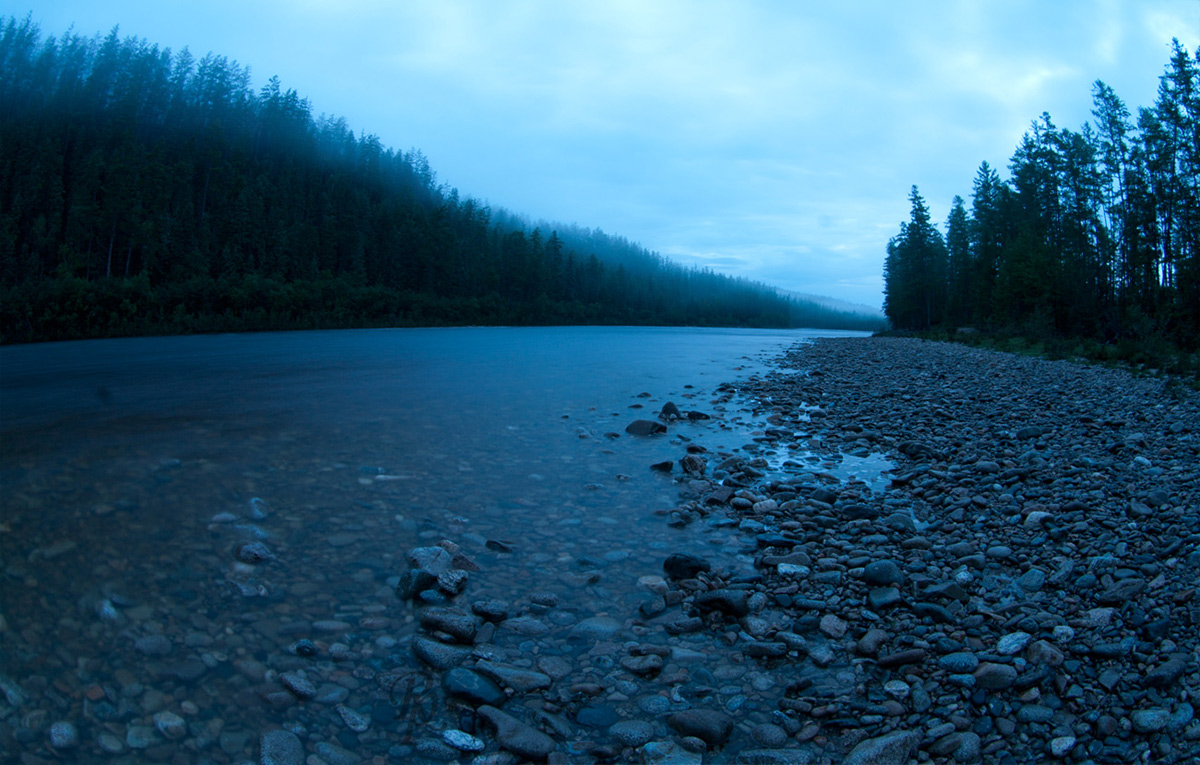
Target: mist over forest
148, 191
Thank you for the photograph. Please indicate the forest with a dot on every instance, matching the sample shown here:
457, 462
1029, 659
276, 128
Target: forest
1095, 235
145, 191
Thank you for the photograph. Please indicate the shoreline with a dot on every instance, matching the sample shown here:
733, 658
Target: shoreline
1024, 590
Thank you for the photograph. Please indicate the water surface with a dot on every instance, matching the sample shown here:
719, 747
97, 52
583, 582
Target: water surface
131, 471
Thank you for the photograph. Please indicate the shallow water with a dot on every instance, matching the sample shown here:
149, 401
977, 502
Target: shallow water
130, 471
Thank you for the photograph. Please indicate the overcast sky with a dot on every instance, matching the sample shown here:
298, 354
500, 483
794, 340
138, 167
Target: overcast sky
775, 140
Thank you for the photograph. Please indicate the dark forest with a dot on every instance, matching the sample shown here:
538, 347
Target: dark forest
147, 191
1095, 235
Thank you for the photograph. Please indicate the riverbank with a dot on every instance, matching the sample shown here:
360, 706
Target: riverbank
1024, 590
745, 587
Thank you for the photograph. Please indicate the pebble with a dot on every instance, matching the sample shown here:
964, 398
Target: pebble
63, 735
280, 747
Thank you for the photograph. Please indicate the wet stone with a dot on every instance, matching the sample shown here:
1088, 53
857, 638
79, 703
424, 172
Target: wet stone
707, 725
439, 655
452, 621
684, 566
472, 686
280, 747
462, 741
63, 735
516, 736
631, 733
735, 603
992, 676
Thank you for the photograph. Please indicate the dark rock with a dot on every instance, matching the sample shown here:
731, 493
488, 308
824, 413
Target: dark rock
413, 582
1122, 591
254, 553
694, 415
1166, 674
684, 625
452, 621
684, 566
893, 748
900, 658
645, 428
597, 716
883, 572
663, 467
280, 747
632, 733
439, 655
516, 736
693, 465
881, 598
735, 603
710, 726
491, 609
670, 412
472, 686
858, 512
995, 677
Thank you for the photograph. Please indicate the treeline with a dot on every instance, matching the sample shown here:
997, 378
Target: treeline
1096, 234
143, 190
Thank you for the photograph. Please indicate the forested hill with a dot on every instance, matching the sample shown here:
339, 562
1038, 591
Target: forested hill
147, 191
1095, 235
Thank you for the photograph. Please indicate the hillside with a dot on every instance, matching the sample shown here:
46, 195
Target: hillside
146, 191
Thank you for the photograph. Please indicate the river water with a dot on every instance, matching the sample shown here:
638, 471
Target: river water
132, 471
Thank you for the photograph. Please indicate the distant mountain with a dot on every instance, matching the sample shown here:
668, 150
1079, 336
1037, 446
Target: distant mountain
834, 304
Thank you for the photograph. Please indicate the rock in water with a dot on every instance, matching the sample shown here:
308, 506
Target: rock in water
280, 747
516, 736
884, 750
684, 566
645, 428
710, 726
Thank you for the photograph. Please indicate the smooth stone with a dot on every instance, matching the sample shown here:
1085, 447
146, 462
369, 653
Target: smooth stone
596, 628
473, 687
834, 626
1013, 643
170, 724
959, 663
893, 748
735, 603
463, 741
632, 733
883, 572
684, 566
995, 677
439, 655
300, 686
525, 625
453, 621
597, 716
435, 560
63, 735
280, 747
516, 736
517, 678
645, 428
708, 725
1061, 746
1150, 720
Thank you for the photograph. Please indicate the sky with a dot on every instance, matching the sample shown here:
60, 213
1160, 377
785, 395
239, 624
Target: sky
775, 140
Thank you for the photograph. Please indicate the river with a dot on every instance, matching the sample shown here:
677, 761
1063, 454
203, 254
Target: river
133, 471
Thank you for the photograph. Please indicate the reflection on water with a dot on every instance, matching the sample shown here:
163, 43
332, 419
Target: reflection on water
180, 513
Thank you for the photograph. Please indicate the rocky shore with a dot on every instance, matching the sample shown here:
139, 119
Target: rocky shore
1020, 586
1026, 588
